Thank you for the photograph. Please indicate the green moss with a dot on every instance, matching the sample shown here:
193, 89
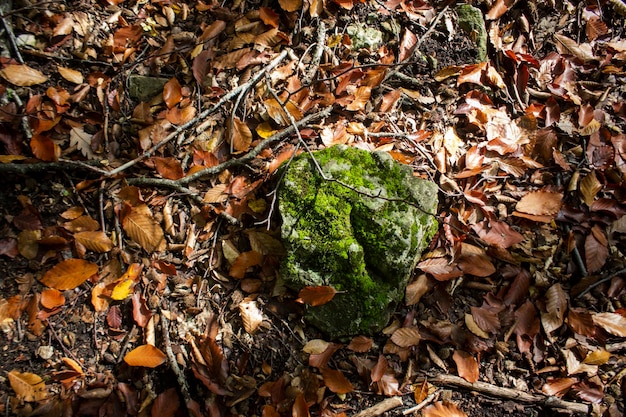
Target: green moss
362, 246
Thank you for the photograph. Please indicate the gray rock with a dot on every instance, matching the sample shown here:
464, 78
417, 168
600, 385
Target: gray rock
363, 240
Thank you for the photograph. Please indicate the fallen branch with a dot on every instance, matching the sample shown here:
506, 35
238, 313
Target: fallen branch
171, 359
511, 394
42, 167
429, 399
381, 407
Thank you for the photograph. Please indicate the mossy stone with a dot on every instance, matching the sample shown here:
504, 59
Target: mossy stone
472, 22
362, 239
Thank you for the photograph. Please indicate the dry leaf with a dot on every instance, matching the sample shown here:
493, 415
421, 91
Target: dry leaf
466, 365
71, 75
95, 241
596, 249
416, 289
574, 366
556, 307
244, 261
316, 296
474, 328
597, 357
22, 75
613, 323
169, 168
51, 298
361, 97
242, 135
569, 46
143, 229
290, 5
336, 381
360, 344
27, 386
250, 315
406, 336
69, 274
542, 203
172, 93
558, 386
147, 356
315, 346
589, 187
440, 409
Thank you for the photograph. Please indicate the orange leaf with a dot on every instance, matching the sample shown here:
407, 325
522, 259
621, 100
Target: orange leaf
71, 75
336, 381
147, 356
269, 16
43, 148
95, 241
416, 289
316, 296
440, 409
168, 168
290, 5
244, 261
360, 344
22, 75
27, 386
499, 8
51, 298
542, 203
589, 187
361, 97
69, 274
242, 135
172, 93
143, 229
406, 336
466, 365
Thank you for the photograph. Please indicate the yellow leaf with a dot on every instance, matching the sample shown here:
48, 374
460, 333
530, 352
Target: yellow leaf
147, 356
265, 130
27, 386
69, 274
250, 315
123, 289
597, 357
22, 75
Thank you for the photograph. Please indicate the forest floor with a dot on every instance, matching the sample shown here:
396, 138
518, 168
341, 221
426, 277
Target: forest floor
140, 244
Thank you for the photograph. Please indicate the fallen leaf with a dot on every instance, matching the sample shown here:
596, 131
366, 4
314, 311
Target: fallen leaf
360, 344
172, 93
147, 356
22, 75
558, 387
316, 296
169, 168
556, 308
27, 386
466, 365
242, 135
315, 346
416, 289
250, 315
440, 409
589, 188
71, 75
244, 261
143, 229
542, 203
51, 298
613, 323
336, 381
406, 336
95, 241
69, 274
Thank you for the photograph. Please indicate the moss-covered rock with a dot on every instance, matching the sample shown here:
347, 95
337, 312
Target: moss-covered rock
363, 240
471, 21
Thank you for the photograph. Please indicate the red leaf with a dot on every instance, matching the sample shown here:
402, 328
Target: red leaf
141, 314
166, 404
440, 409
316, 296
300, 407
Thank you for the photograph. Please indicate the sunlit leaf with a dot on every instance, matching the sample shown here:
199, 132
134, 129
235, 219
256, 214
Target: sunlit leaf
336, 381
569, 46
406, 337
361, 97
466, 365
315, 346
244, 261
147, 356
597, 357
558, 386
168, 168
574, 366
589, 187
316, 296
71, 75
82, 141
440, 409
250, 315
409, 40
22, 75
69, 274
613, 323
416, 289
290, 5
27, 386
499, 8
143, 229
241, 135
541, 202
95, 241
141, 313
269, 16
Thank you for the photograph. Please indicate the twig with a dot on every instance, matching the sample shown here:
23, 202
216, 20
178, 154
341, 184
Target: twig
227, 97
609, 277
180, 378
9, 29
16, 168
511, 394
381, 407
56, 336
317, 55
427, 400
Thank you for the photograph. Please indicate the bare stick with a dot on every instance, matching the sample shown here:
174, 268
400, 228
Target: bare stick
511, 394
171, 358
231, 94
317, 55
423, 404
381, 407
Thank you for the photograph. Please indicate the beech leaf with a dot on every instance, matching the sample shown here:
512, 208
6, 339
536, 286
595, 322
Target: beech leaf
250, 315
148, 356
440, 409
22, 75
69, 274
542, 203
27, 386
95, 241
242, 135
316, 296
336, 381
406, 336
143, 229
589, 187
613, 323
172, 93
244, 261
466, 365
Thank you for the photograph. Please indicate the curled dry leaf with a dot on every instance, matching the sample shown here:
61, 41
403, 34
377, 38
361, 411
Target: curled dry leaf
542, 203
27, 386
148, 356
69, 274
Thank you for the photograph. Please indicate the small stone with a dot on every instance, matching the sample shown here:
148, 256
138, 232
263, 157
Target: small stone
361, 233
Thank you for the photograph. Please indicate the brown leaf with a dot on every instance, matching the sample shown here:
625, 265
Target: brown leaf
290, 5
558, 387
361, 97
141, 313
589, 187
360, 344
518, 289
44, 148
499, 8
596, 250
242, 135
95, 241
27, 386
569, 46
316, 296
440, 268
613, 323
22, 75
69, 274
168, 168
466, 365
486, 319
269, 16
477, 265
51, 298
336, 381
71, 75
416, 289
407, 45
541, 202
172, 93
440, 409
595, 27
315, 346
244, 261
147, 356
556, 307
473, 327
406, 337
250, 315
166, 404
143, 229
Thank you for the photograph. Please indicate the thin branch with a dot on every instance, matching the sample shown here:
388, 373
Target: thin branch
317, 55
171, 358
42, 167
